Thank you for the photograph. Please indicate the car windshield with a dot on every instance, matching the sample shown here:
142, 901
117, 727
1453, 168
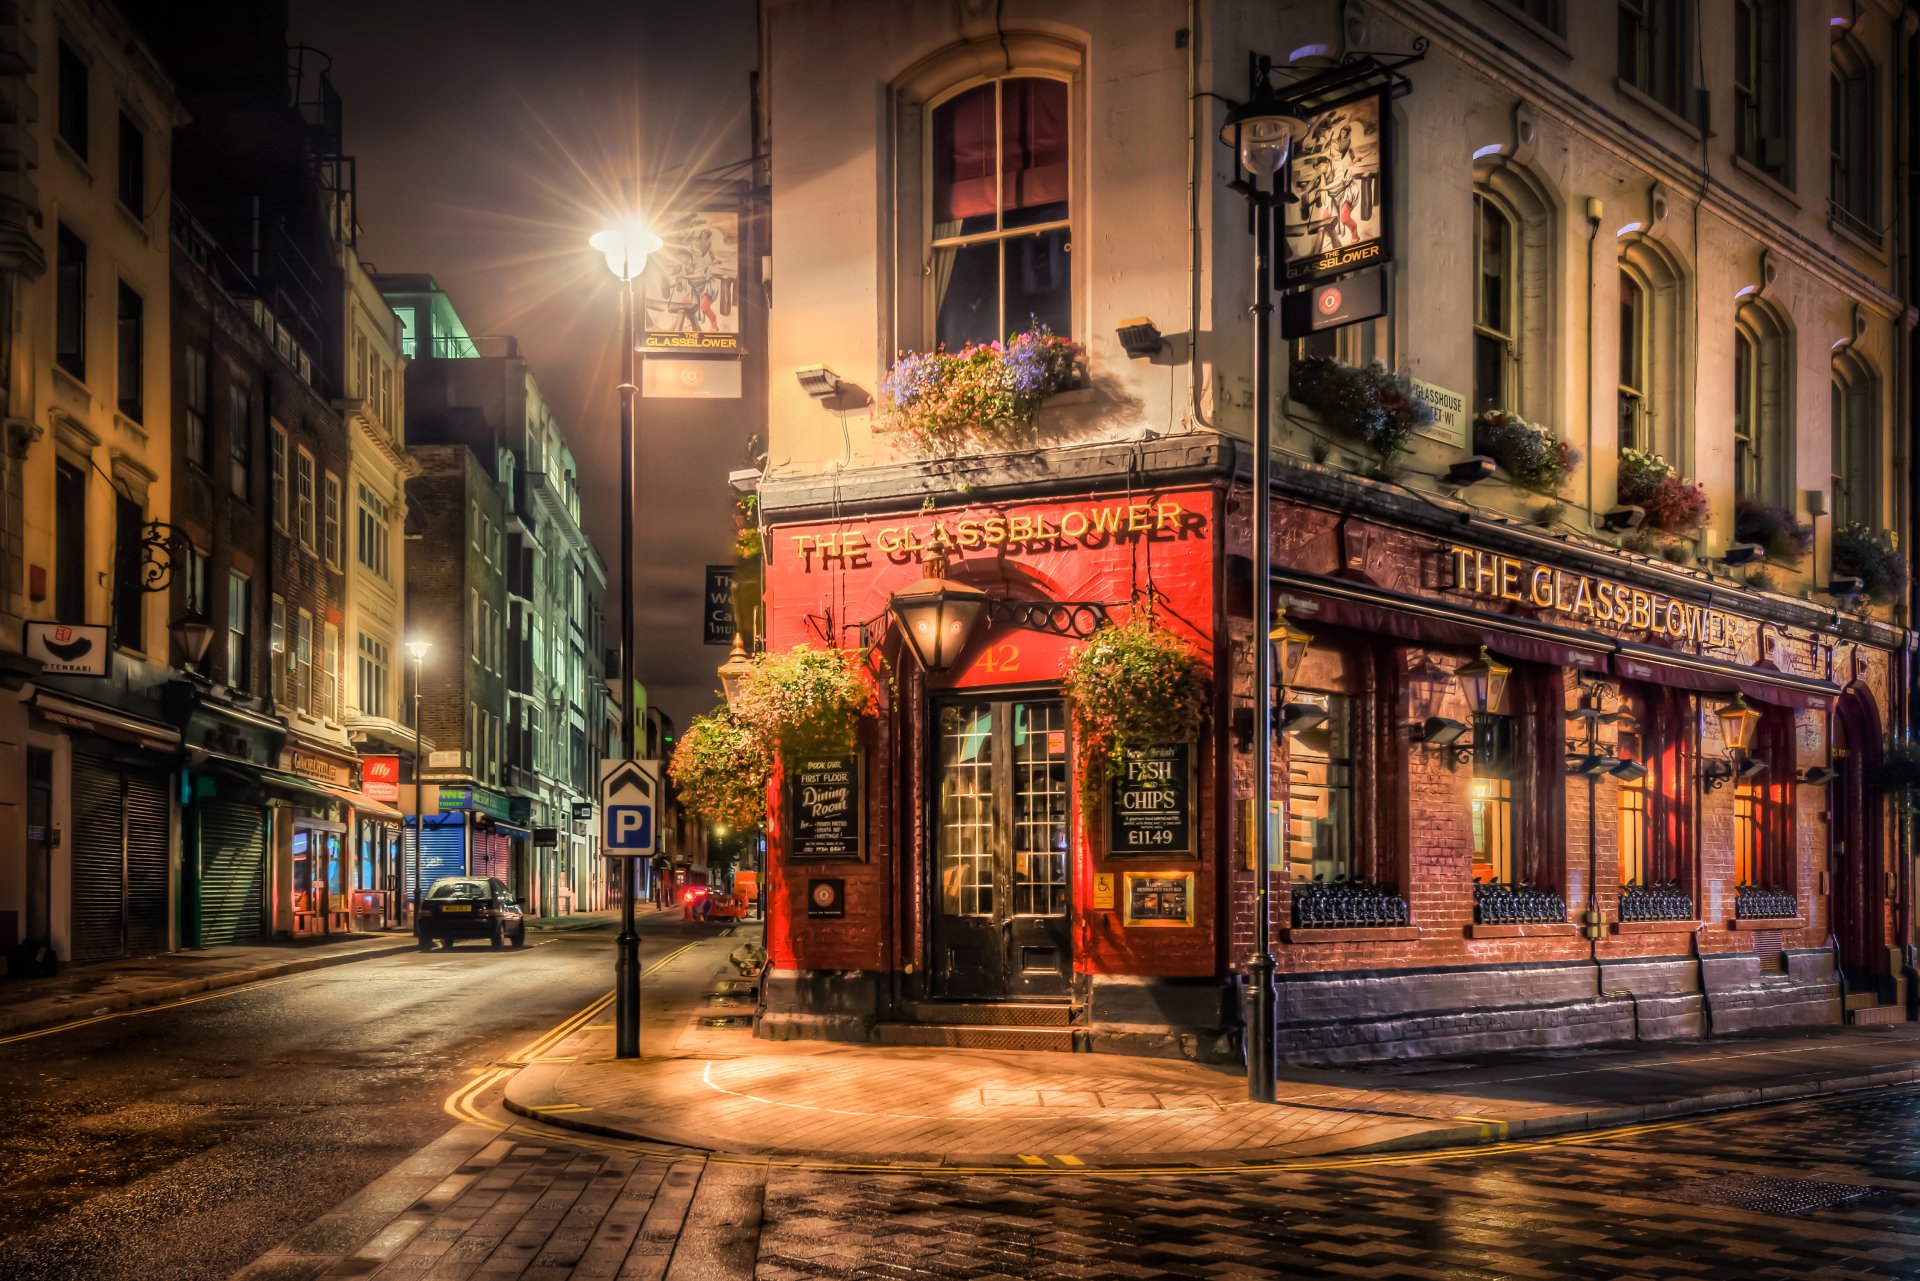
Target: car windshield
458, 890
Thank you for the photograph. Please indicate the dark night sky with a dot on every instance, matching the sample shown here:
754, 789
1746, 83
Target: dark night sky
492, 137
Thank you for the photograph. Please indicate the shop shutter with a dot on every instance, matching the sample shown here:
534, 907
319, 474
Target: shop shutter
233, 843
149, 862
99, 870
446, 853
490, 855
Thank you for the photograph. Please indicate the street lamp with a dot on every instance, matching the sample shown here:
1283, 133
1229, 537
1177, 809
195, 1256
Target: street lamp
938, 615
1261, 132
417, 650
192, 635
734, 670
626, 247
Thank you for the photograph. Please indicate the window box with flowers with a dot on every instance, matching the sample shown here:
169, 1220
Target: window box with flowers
1675, 507
1131, 685
1531, 455
1784, 538
1870, 556
1372, 406
982, 397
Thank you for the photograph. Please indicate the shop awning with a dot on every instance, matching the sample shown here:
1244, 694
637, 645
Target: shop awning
1370, 609
1706, 675
520, 833
312, 787
105, 721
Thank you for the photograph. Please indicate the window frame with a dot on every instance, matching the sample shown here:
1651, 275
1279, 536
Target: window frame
1635, 403
1854, 141
196, 372
239, 630
73, 94
1854, 442
332, 500
305, 499
1507, 339
70, 285
1761, 83
130, 165
279, 479
130, 353
240, 439
1662, 58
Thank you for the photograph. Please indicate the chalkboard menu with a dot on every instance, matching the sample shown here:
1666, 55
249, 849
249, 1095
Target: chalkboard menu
1150, 802
823, 807
1158, 898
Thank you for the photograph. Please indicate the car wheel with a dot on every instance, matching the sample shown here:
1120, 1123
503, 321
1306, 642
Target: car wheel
520, 937
447, 944
499, 939
426, 944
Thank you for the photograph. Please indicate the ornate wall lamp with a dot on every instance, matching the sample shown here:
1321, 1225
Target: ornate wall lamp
938, 615
1483, 683
1737, 725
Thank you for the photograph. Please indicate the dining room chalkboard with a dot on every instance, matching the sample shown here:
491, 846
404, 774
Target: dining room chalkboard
824, 808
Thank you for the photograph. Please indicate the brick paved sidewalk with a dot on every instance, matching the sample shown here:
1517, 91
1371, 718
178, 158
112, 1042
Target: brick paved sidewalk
719, 1088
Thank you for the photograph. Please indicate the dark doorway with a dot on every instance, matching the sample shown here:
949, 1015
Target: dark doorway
1858, 869
1001, 880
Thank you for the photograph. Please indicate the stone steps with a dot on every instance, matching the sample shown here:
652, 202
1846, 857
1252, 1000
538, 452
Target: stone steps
959, 1036
1875, 1015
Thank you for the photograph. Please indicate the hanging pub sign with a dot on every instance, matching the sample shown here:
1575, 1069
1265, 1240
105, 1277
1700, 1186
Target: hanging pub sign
1162, 899
1339, 219
823, 808
1333, 303
718, 609
693, 286
1150, 802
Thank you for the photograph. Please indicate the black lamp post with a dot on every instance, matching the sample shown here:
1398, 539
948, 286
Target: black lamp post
417, 650
626, 248
1261, 132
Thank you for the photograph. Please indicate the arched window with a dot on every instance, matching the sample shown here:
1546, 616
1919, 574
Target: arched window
1495, 260
1651, 406
1853, 101
1854, 430
1762, 423
999, 233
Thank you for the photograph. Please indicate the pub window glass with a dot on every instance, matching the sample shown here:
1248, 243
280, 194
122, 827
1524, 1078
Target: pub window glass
966, 810
1635, 820
1493, 762
1633, 364
1495, 261
1040, 786
1746, 834
1000, 237
1320, 791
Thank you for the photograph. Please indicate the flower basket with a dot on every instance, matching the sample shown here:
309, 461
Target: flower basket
1131, 685
1785, 540
1673, 504
747, 544
1371, 405
805, 701
721, 767
982, 396
1531, 455
1870, 556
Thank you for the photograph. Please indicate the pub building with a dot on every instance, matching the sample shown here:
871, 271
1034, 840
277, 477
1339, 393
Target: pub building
1537, 780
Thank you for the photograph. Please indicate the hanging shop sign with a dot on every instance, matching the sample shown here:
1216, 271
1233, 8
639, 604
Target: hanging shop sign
380, 778
824, 808
1334, 303
477, 799
582, 811
546, 838
1084, 525
1587, 600
1150, 802
1162, 899
692, 285
1339, 219
321, 769
68, 649
826, 898
718, 616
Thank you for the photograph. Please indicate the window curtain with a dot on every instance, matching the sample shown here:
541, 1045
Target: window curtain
962, 160
1034, 145
1775, 866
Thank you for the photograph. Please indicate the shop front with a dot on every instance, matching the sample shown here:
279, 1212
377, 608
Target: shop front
316, 836
1529, 790
225, 868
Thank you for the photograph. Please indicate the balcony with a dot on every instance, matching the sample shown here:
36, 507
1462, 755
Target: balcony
466, 347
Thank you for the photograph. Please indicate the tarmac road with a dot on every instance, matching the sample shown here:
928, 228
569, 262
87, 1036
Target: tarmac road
181, 1142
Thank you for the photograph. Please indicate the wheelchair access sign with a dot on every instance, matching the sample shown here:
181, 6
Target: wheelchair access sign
629, 794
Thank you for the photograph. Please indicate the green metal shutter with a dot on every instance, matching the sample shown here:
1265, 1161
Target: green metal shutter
233, 855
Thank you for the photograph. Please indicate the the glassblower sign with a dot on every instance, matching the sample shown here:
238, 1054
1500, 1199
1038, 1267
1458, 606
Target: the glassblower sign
1339, 217
1586, 600
1150, 802
823, 807
693, 286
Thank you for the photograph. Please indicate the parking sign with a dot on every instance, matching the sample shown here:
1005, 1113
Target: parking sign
628, 792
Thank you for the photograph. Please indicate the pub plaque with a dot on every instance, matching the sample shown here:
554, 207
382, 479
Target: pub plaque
823, 803
1150, 802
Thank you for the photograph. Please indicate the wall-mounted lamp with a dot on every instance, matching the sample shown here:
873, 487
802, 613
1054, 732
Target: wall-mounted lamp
1742, 554
1845, 587
1289, 648
1470, 470
1484, 682
1624, 517
1628, 771
1817, 776
192, 634
734, 671
819, 382
1737, 724
937, 615
1590, 765
1140, 337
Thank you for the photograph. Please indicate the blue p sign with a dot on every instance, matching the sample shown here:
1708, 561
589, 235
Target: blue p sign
630, 827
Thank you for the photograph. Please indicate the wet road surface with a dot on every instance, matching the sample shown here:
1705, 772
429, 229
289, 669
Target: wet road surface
181, 1142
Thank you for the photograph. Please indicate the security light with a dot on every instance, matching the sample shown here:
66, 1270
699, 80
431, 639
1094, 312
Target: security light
1139, 336
1817, 776
819, 382
1844, 586
1590, 765
1624, 517
1470, 470
1298, 718
1750, 767
1628, 771
1744, 553
1439, 731
745, 480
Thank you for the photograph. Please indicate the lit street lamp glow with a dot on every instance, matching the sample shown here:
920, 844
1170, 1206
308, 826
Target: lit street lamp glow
626, 247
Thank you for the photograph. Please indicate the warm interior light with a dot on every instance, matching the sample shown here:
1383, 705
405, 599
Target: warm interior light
937, 615
1484, 682
626, 247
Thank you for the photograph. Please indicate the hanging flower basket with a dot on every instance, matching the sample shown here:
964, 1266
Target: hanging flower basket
1674, 505
721, 767
1899, 770
1785, 540
1531, 455
1870, 556
980, 397
806, 701
1373, 405
747, 543
1131, 685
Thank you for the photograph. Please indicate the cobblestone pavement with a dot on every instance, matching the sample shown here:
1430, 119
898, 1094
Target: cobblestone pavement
1825, 1189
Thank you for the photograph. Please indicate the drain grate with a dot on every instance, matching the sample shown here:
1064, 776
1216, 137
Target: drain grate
1765, 1195
728, 1020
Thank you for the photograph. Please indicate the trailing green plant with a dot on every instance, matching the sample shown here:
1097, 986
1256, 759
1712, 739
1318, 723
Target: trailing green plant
983, 395
1870, 556
747, 544
1673, 504
1531, 455
1547, 515
1373, 405
1762, 581
721, 767
1779, 533
1899, 769
1131, 685
804, 700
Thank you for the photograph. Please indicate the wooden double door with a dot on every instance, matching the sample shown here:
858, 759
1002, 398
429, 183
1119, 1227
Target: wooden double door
1001, 863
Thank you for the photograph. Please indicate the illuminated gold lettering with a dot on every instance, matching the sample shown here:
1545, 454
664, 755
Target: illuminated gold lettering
1541, 587
1603, 596
1583, 596
1509, 579
1676, 618
967, 533
1640, 618
1486, 574
1167, 516
1019, 529
1106, 520
1462, 556
888, 540
995, 530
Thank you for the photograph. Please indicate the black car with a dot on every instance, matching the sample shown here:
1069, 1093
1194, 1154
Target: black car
470, 907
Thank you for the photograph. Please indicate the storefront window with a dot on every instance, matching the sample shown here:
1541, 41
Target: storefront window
1320, 791
1493, 759
1746, 834
1040, 784
302, 870
966, 810
1634, 832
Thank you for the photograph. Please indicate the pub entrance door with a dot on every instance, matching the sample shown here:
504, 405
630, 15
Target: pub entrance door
1001, 812
1858, 870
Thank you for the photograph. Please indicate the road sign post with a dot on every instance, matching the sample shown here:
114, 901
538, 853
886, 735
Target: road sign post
629, 797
